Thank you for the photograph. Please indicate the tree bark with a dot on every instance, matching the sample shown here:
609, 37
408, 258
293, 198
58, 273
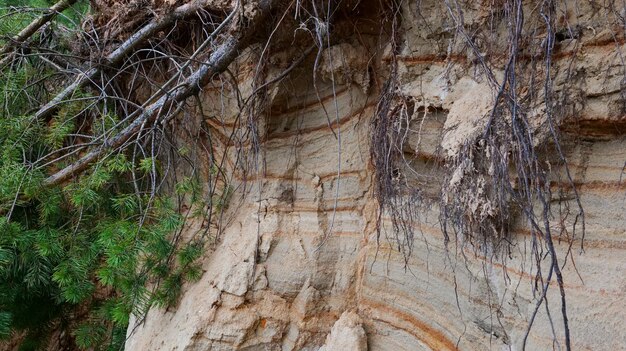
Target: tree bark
116, 57
223, 55
34, 26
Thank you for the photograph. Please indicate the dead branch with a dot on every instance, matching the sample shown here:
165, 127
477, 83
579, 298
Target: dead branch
222, 56
34, 26
128, 46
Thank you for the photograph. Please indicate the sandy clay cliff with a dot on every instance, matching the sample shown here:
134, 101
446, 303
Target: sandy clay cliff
300, 264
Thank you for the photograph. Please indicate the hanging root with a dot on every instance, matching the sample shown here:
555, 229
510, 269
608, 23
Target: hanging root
495, 168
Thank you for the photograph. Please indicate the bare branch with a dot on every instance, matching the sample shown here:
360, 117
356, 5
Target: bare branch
218, 61
34, 26
114, 58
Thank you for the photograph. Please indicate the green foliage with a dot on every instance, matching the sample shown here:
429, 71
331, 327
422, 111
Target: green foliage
103, 242
62, 245
22, 12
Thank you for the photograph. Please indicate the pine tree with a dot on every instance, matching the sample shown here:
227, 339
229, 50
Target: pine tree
103, 241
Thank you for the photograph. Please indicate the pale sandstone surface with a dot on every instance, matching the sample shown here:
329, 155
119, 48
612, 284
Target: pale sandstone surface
299, 266
346, 334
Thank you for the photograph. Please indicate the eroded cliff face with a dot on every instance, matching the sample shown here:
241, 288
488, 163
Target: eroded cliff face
299, 264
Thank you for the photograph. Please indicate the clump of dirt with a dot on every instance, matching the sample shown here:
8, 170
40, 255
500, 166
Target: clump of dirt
114, 19
346, 64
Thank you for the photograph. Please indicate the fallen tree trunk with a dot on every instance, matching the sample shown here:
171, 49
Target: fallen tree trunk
218, 61
116, 57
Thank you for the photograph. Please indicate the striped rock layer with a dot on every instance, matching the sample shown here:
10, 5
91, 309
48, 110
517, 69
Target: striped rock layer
299, 264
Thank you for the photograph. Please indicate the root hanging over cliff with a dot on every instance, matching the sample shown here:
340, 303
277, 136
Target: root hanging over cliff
111, 134
500, 145
104, 129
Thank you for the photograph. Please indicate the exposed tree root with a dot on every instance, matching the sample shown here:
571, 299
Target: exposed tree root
123, 50
239, 37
